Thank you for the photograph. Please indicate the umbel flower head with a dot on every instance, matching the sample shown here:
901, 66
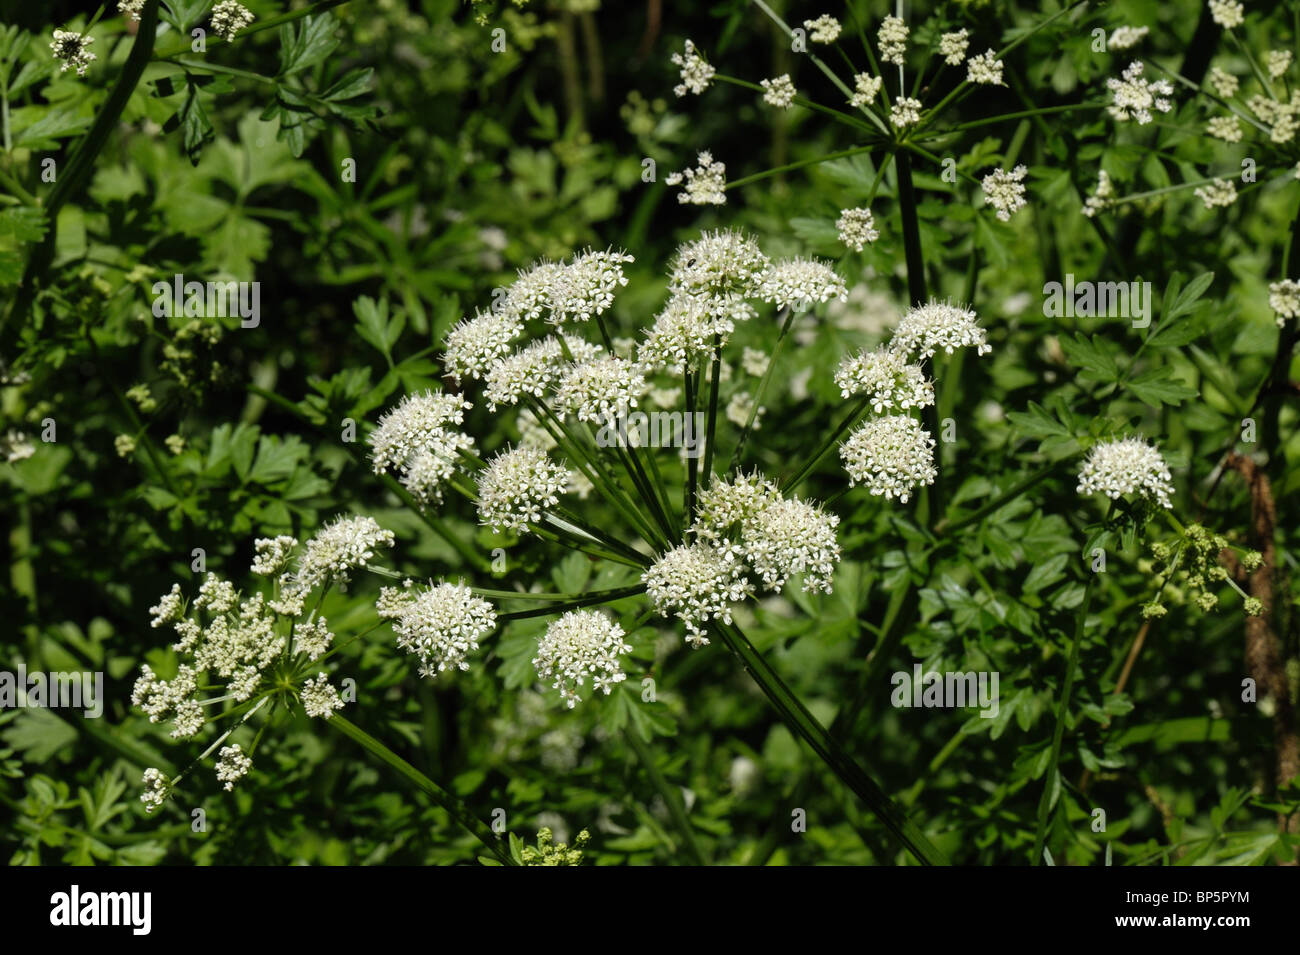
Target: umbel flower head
1126, 466
578, 645
229, 17
927, 329
475, 343
697, 74
696, 583
1284, 299
890, 456
236, 648
717, 264
440, 625
885, 376
779, 92
1194, 559
1005, 191
856, 228
72, 49
517, 485
602, 387
705, 185
802, 282
1134, 97
421, 438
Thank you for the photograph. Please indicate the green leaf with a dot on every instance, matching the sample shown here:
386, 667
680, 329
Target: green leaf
1156, 388
1090, 355
312, 43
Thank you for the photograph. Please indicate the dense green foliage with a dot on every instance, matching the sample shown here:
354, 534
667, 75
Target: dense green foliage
476, 153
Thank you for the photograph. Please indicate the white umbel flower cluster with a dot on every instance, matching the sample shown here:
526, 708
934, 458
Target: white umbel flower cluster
517, 486
130, 8
865, 90
1126, 466
705, 185
697, 74
1102, 198
229, 17
890, 456
475, 343
1227, 128
985, 69
801, 282
578, 645
602, 387
719, 263
856, 228
1134, 97
906, 111
422, 440
925, 329
1227, 13
825, 29
893, 39
70, 48
1225, 84
1005, 191
1217, 194
952, 47
228, 643
1277, 63
696, 583
233, 765
885, 376
1126, 37
1284, 299
320, 698
440, 625
779, 92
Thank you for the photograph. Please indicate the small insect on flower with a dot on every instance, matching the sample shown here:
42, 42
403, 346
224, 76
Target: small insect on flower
229, 17
1005, 191
1284, 299
779, 92
578, 645
952, 47
1126, 466
825, 29
719, 263
893, 40
71, 49
705, 185
1134, 97
985, 69
890, 456
697, 74
856, 228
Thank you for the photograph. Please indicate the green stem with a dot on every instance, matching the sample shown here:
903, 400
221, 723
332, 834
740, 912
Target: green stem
849, 420
767, 375
454, 807
715, 374
671, 795
801, 722
587, 600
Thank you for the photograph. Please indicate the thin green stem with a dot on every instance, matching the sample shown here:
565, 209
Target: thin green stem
715, 374
670, 794
454, 807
